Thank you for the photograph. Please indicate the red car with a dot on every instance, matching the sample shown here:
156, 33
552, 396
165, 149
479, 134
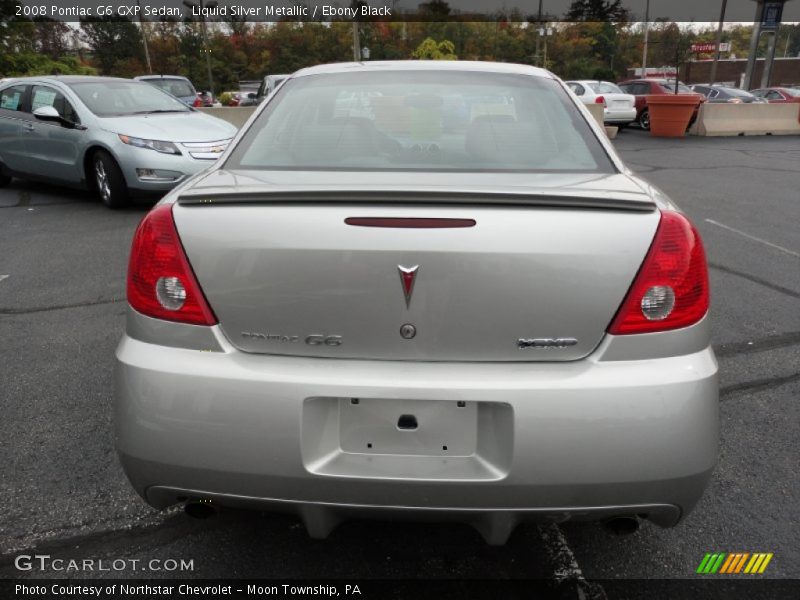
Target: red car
778, 95
641, 88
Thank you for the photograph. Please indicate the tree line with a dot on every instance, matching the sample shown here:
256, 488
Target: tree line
588, 46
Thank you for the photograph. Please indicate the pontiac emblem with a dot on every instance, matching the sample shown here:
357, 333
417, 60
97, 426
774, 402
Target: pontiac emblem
407, 277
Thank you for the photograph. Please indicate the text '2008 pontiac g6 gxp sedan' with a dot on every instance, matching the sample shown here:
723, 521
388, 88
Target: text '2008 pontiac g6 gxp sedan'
420, 289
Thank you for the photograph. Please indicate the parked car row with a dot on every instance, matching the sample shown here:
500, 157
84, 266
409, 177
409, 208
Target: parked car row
626, 102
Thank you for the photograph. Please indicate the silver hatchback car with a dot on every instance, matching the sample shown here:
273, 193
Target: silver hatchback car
419, 289
119, 137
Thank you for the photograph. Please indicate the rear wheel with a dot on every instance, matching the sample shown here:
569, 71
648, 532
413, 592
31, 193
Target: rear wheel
644, 120
109, 180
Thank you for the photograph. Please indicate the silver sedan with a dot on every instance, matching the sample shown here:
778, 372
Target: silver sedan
423, 290
118, 137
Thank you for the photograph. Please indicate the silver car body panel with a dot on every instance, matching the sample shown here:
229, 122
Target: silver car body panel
628, 425
278, 272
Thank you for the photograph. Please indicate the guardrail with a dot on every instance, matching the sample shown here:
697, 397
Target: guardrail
236, 115
747, 119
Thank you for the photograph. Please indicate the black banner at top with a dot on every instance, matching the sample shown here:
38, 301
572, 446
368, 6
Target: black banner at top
393, 10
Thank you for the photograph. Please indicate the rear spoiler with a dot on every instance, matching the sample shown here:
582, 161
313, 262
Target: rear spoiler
614, 201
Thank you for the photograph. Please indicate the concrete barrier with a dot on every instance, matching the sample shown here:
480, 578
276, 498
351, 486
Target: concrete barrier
747, 119
598, 112
236, 115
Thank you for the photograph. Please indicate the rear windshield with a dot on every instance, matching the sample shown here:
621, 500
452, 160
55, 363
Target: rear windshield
176, 87
603, 87
682, 89
421, 120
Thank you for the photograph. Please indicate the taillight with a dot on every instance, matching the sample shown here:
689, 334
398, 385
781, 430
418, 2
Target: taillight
161, 283
671, 289
600, 100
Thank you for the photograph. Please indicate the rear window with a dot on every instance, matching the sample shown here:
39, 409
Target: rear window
792, 92
421, 120
735, 92
176, 87
603, 87
682, 89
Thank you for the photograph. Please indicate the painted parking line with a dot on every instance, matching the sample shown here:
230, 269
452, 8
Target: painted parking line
4, 277
754, 238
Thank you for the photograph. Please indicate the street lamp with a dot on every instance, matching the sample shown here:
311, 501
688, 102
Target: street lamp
203, 6
544, 32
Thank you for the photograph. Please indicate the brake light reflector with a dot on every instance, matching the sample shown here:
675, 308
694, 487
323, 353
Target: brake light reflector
161, 283
671, 289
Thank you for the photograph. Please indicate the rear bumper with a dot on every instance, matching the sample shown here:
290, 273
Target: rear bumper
586, 439
624, 116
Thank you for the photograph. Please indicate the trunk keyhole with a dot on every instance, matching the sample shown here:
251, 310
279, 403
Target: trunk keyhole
408, 422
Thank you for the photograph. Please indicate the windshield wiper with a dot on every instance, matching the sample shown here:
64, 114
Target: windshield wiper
160, 110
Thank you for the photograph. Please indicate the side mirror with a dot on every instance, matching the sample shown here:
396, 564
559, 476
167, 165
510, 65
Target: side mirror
47, 113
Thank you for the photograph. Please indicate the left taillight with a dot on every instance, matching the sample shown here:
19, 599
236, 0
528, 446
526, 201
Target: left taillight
600, 100
161, 283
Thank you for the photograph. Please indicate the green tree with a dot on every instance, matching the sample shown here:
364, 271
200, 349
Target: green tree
597, 10
430, 49
116, 45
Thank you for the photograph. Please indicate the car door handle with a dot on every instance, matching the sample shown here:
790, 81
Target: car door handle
29, 126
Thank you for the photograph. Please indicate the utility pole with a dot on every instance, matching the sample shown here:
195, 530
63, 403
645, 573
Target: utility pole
356, 43
204, 5
538, 36
719, 43
646, 32
144, 40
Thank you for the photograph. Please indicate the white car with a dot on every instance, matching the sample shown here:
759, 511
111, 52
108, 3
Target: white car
620, 108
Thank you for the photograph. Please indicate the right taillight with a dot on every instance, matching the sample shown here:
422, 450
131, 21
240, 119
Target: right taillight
671, 289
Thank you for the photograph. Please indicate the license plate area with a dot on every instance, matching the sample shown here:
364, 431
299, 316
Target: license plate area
364, 438
408, 427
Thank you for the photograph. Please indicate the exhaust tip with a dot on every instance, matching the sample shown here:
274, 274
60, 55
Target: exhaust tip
622, 525
200, 509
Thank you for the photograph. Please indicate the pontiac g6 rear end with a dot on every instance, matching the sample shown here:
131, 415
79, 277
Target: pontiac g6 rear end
424, 290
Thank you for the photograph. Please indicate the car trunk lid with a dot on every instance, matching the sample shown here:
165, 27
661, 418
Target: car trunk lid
514, 281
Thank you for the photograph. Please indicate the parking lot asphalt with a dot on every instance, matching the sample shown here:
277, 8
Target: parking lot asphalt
62, 303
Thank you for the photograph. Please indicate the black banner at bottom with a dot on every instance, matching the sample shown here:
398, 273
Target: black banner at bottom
376, 589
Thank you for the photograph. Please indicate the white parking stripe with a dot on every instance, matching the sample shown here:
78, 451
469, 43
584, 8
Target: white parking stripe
4, 277
754, 238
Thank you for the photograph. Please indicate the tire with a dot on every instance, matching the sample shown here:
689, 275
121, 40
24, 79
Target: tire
108, 180
4, 180
644, 120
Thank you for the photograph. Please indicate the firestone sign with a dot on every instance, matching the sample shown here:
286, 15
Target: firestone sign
710, 47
